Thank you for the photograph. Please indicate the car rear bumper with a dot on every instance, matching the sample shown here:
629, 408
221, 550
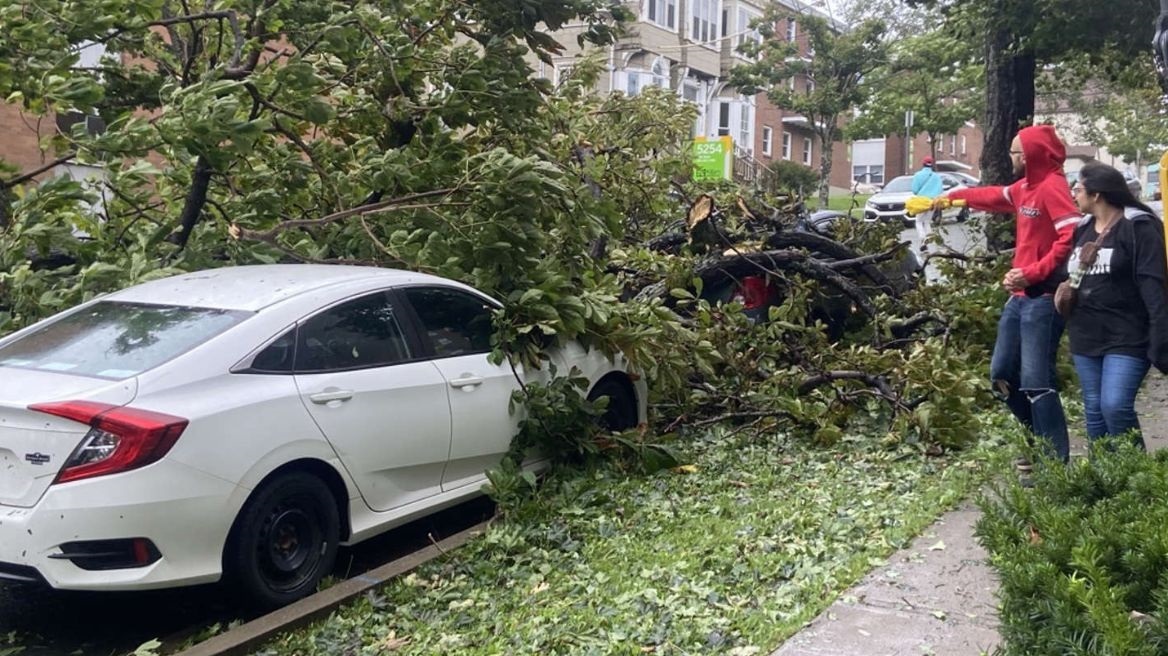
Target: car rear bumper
184, 513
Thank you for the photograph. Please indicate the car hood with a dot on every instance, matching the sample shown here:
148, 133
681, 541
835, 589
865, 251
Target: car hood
890, 197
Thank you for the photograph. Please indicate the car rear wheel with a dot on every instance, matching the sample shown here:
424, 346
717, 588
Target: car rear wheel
963, 215
285, 540
621, 413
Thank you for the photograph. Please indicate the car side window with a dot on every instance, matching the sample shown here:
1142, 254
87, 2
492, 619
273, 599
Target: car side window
278, 357
356, 334
455, 322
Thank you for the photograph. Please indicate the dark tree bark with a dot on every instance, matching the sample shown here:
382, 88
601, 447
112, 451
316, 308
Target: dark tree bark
1009, 106
196, 200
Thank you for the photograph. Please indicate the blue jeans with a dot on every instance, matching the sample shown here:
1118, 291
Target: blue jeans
1022, 368
1110, 383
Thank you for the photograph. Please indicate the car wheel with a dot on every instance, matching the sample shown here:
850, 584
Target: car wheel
621, 413
963, 215
285, 540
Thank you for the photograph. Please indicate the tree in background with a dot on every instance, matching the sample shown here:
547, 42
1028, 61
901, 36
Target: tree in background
1019, 36
842, 59
929, 75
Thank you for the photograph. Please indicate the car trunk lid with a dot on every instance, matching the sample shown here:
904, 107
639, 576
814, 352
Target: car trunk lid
35, 445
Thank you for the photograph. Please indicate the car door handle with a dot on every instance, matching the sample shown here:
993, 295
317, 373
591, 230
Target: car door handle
329, 396
466, 381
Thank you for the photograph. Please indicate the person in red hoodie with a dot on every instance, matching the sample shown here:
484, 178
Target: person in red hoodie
1023, 364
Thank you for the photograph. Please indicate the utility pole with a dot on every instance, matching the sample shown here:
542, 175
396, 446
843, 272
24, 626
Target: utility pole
908, 124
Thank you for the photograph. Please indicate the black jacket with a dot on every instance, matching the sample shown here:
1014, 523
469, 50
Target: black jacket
1122, 306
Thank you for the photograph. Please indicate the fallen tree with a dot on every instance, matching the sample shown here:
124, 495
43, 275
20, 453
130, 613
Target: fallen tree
367, 136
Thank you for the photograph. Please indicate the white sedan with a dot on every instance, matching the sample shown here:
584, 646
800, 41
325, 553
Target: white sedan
243, 422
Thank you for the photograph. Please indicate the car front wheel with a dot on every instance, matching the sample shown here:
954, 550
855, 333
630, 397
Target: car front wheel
621, 413
285, 540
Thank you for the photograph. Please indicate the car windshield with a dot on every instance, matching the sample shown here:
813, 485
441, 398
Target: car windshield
116, 340
903, 183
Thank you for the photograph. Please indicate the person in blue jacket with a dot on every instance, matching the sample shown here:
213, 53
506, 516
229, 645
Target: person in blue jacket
926, 183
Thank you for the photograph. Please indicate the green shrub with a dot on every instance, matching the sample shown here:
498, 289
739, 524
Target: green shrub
794, 177
1083, 556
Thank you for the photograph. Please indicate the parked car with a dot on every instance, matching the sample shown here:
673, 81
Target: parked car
1133, 183
757, 294
888, 205
243, 422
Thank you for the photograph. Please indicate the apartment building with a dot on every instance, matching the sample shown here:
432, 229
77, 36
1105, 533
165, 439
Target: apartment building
876, 161
690, 46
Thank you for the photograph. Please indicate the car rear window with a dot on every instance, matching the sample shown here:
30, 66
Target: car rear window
117, 340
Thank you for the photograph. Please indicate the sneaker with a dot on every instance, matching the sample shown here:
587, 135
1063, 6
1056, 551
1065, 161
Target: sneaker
1025, 472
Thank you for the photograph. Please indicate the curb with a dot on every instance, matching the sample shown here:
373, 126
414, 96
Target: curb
247, 637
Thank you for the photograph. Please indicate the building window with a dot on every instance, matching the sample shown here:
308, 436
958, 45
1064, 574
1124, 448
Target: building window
745, 32
660, 74
810, 84
868, 174
767, 135
791, 83
633, 83
952, 144
745, 126
963, 144
786, 145
807, 151
689, 91
792, 30
723, 119
663, 13
705, 20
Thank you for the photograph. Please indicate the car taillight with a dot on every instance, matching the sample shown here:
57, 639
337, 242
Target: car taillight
753, 292
119, 438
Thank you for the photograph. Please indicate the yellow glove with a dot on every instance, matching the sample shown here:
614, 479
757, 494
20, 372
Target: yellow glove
919, 204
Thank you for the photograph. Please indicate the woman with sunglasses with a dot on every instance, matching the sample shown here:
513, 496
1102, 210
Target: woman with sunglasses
1119, 325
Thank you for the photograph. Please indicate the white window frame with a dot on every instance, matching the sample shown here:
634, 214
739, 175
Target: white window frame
963, 144
768, 135
745, 31
952, 144
869, 171
786, 145
725, 111
792, 30
659, 12
746, 125
704, 22
807, 146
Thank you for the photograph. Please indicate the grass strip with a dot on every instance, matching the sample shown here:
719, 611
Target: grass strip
732, 557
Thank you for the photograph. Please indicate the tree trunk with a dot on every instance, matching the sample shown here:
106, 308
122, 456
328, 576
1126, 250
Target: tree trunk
824, 170
1002, 119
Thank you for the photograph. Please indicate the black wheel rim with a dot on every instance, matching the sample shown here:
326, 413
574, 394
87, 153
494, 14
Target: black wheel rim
289, 547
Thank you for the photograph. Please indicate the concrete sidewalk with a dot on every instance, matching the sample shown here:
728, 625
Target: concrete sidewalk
937, 595
934, 597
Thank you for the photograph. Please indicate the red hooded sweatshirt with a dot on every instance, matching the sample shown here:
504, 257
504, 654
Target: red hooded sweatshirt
1046, 213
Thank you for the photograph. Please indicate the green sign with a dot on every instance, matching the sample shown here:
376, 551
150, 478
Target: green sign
711, 159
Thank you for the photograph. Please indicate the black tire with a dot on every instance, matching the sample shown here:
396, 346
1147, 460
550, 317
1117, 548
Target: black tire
621, 413
963, 215
284, 540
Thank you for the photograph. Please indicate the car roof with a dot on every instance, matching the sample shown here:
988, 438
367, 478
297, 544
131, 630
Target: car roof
254, 287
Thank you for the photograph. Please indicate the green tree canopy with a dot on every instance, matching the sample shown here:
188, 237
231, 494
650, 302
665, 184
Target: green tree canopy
928, 75
841, 60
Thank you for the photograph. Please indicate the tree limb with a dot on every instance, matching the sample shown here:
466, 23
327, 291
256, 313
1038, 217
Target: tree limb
25, 177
